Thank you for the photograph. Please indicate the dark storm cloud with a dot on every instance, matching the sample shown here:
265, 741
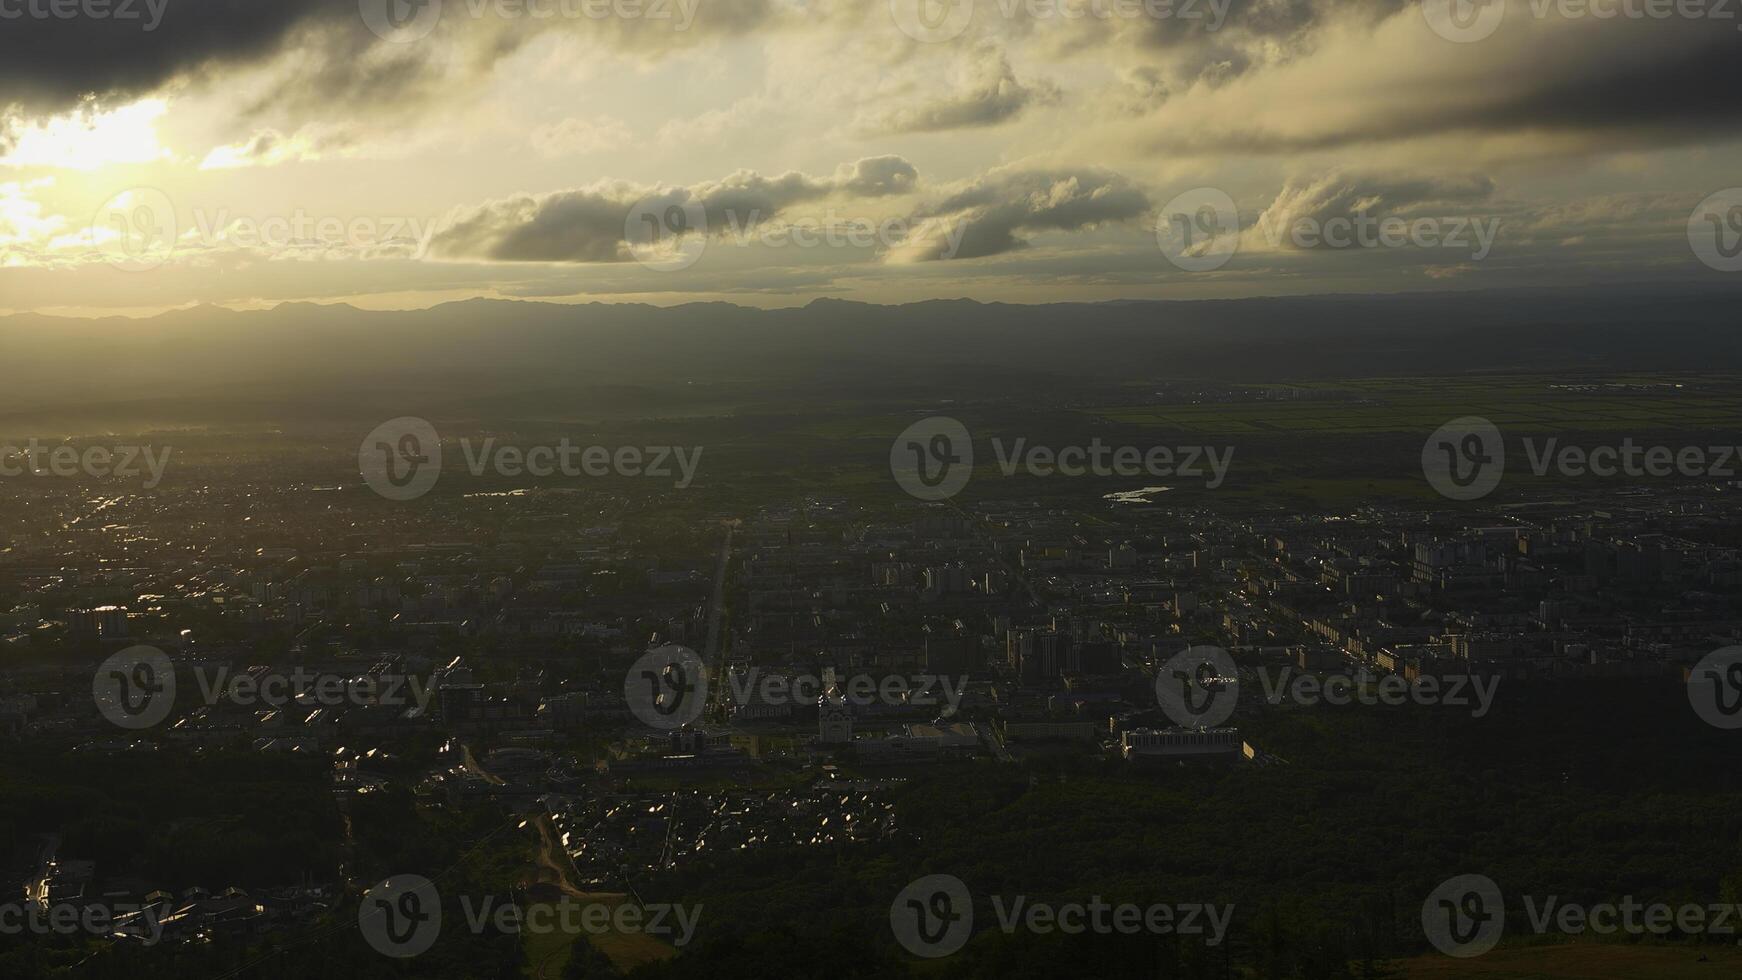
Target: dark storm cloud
343, 64
50, 63
1689, 76
53, 63
1632, 80
1674, 81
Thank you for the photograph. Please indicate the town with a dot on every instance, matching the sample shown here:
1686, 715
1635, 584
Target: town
633, 694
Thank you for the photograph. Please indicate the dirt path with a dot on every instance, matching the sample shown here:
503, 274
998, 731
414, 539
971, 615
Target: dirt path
471, 764
554, 867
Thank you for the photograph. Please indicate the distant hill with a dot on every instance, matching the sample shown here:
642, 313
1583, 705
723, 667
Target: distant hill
305, 360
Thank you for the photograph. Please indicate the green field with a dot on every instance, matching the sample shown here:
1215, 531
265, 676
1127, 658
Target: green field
547, 953
1424, 404
1583, 961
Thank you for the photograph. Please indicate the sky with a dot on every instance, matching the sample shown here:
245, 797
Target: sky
156, 154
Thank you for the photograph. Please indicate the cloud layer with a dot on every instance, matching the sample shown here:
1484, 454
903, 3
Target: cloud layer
550, 131
595, 223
